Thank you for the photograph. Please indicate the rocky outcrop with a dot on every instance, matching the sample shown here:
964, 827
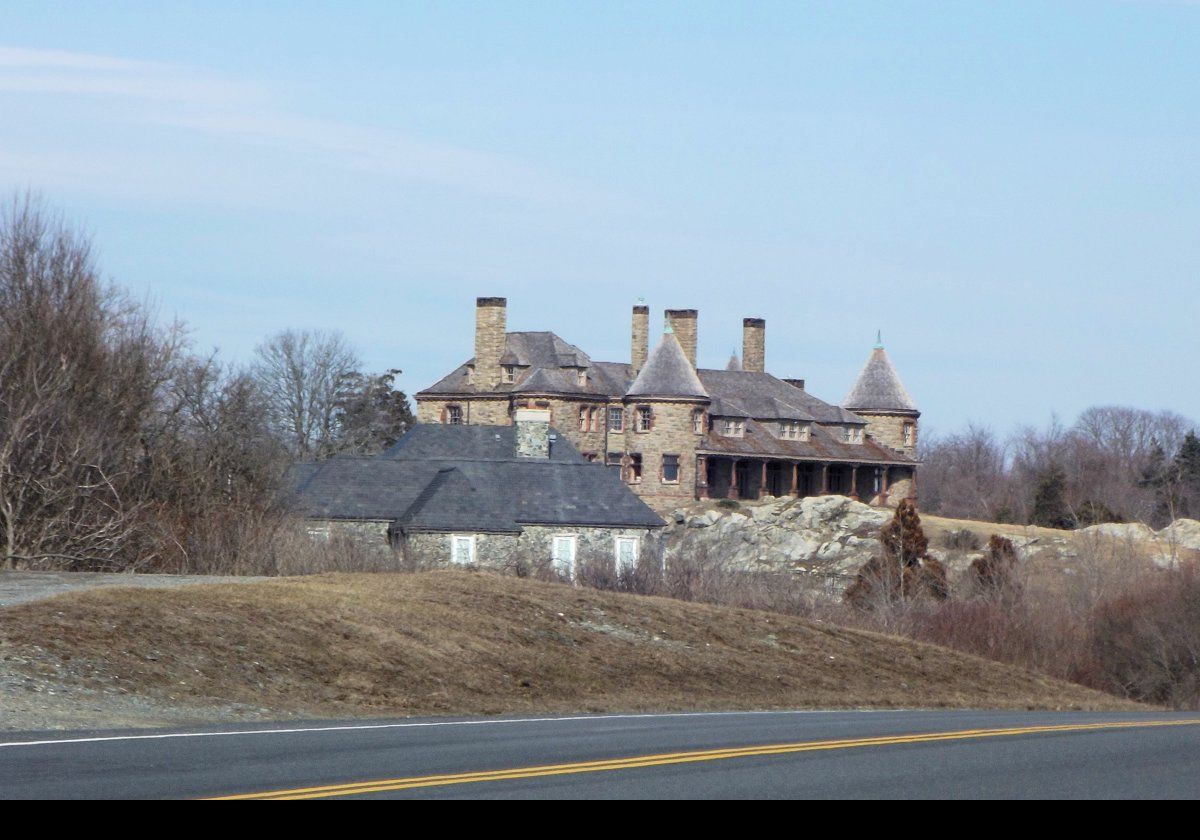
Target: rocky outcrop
829, 533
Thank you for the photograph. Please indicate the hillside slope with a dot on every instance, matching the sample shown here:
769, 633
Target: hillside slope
453, 642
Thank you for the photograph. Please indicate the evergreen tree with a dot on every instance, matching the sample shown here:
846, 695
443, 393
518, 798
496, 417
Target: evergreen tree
370, 414
1049, 500
1187, 472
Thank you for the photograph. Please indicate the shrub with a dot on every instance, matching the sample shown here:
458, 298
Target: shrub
730, 504
961, 539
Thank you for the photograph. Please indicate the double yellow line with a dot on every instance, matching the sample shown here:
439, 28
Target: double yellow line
409, 783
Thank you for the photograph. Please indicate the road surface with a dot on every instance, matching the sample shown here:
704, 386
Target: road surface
838, 754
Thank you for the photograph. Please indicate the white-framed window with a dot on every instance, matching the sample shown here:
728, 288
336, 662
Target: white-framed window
733, 428
454, 415
645, 418
581, 377
462, 549
510, 374
790, 429
910, 432
565, 546
319, 532
626, 551
616, 419
698, 423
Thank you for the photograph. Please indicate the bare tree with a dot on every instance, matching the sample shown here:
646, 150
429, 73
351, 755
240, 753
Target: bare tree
80, 367
300, 374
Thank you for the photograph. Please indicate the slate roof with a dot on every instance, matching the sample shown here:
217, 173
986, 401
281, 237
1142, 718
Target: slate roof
667, 373
762, 396
466, 478
879, 388
822, 445
540, 356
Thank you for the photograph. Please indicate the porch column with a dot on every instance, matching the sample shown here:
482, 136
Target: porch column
701, 477
854, 482
795, 479
762, 482
825, 479
733, 486
887, 472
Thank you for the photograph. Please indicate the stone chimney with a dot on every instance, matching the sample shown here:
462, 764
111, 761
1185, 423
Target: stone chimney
754, 344
641, 339
490, 325
533, 432
683, 324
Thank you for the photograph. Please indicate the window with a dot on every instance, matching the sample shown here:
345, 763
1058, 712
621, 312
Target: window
614, 459
616, 419
454, 415
789, 430
591, 457
510, 374
564, 556
635, 468
670, 469
462, 550
910, 432
626, 549
733, 428
806, 432
698, 421
582, 377
645, 419
583, 418
850, 434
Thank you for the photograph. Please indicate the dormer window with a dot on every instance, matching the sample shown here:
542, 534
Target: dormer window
470, 376
852, 434
454, 415
789, 429
509, 374
733, 428
581, 377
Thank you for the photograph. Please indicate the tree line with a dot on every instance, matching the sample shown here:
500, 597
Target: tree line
121, 447
1113, 464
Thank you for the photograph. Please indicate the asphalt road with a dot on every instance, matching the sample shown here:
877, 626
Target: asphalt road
920, 754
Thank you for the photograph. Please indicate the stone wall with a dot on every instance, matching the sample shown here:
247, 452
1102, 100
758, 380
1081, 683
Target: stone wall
477, 411
673, 433
369, 536
530, 552
888, 429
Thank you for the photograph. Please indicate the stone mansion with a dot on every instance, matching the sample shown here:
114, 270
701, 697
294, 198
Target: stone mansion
677, 432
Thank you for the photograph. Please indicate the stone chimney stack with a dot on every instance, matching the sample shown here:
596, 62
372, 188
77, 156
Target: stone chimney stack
754, 344
641, 339
683, 324
533, 432
490, 325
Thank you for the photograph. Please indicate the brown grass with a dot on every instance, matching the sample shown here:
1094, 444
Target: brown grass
453, 642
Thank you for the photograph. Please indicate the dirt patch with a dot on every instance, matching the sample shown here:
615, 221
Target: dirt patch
459, 643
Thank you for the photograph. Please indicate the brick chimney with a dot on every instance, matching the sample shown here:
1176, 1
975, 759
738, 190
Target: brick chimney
683, 324
641, 339
754, 344
533, 432
490, 325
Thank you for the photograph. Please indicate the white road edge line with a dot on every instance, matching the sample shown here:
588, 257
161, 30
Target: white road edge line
419, 724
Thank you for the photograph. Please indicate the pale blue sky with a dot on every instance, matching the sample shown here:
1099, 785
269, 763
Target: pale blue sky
1011, 191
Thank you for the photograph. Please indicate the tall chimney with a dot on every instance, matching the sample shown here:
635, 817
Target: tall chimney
641, 339
754, 344
533, 432
683, 324
490, 325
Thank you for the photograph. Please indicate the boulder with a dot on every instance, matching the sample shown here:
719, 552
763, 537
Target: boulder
1183, 533
1120, 530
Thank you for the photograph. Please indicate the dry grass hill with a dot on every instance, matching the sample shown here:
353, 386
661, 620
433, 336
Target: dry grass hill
450, 642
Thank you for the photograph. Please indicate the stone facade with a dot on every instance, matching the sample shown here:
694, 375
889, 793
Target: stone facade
672, 433
889, 430
532, 551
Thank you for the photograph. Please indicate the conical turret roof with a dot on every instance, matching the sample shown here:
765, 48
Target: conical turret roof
879, 387
667, 373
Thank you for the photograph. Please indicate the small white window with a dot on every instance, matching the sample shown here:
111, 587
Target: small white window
909, 429
462, 550
510, 374
564, 556
627, 554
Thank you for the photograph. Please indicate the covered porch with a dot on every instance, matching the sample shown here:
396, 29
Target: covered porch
749, 478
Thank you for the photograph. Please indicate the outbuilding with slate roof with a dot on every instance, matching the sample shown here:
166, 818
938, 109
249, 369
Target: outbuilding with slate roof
515, 497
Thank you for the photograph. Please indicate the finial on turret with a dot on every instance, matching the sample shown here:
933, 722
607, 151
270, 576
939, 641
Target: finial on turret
879, 339
667, 329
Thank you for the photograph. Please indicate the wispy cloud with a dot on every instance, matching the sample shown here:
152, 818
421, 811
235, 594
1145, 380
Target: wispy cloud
235, 111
